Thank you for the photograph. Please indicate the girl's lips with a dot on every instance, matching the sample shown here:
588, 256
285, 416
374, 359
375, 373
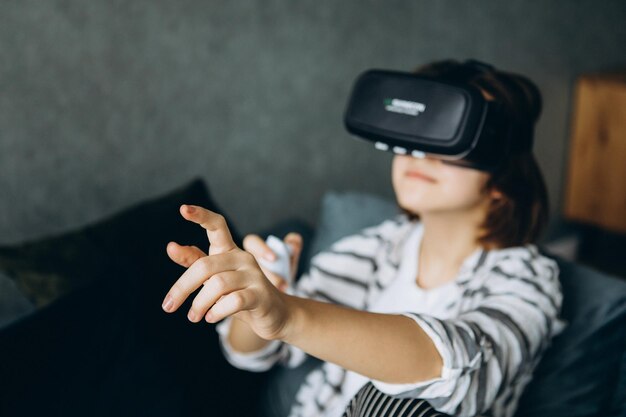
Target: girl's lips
419, 175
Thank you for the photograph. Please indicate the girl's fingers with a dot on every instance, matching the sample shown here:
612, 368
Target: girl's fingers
257, 246
217, 231
295, 241
215, 287
201, 270
184, 255
230, 304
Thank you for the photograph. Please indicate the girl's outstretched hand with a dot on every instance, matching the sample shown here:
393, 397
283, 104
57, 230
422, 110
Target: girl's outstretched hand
231, 279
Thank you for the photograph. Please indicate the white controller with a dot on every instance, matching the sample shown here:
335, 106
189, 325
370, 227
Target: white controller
282, 265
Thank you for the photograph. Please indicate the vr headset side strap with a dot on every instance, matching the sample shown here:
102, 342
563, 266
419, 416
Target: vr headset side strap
493, 145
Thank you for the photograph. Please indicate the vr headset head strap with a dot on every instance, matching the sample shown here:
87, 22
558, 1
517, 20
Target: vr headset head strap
520, 138
479, 66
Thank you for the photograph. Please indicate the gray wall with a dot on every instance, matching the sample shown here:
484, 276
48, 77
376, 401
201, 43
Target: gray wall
105, 103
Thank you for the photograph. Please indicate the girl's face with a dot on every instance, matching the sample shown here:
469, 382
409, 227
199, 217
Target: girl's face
428, 185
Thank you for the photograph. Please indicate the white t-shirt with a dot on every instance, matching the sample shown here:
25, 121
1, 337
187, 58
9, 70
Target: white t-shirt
403, 294
490, 324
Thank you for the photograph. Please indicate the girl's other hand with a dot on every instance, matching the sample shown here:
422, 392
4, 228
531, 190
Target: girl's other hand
260, 250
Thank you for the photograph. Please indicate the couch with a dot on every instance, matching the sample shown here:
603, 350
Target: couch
583, 373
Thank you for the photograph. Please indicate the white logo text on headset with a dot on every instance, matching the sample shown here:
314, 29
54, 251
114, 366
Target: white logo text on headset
411, 108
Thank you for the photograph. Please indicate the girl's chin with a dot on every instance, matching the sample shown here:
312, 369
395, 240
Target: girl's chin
415, 209
417, 205
424, 207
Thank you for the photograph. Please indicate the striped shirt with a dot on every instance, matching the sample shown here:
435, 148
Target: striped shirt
490, 324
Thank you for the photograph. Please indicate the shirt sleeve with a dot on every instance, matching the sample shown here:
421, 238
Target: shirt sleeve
494, 345
340, 275
260, 360
276, 351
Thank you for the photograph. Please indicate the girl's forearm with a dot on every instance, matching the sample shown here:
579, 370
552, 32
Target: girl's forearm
386, 347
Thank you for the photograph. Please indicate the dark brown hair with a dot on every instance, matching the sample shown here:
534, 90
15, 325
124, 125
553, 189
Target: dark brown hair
519, 216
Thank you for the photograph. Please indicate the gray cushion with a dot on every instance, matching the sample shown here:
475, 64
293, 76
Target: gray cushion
345, 213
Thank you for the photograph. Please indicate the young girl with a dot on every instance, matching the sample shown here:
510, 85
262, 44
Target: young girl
449, 302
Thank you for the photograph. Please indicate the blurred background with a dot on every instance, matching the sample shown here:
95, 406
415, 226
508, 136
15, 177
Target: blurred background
106, 103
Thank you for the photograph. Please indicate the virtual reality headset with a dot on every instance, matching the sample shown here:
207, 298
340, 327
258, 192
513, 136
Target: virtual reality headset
407, 113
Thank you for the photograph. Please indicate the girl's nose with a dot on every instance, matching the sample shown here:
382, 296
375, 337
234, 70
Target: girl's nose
427, 160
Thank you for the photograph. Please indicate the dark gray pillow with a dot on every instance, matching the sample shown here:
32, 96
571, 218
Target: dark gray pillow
135, 237
583, 373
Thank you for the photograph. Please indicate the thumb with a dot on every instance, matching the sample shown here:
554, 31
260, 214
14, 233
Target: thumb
184, 255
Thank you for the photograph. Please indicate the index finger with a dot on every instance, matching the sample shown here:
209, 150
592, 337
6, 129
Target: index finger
220, 239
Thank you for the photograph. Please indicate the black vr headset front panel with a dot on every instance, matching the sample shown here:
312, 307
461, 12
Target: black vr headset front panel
408, 112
